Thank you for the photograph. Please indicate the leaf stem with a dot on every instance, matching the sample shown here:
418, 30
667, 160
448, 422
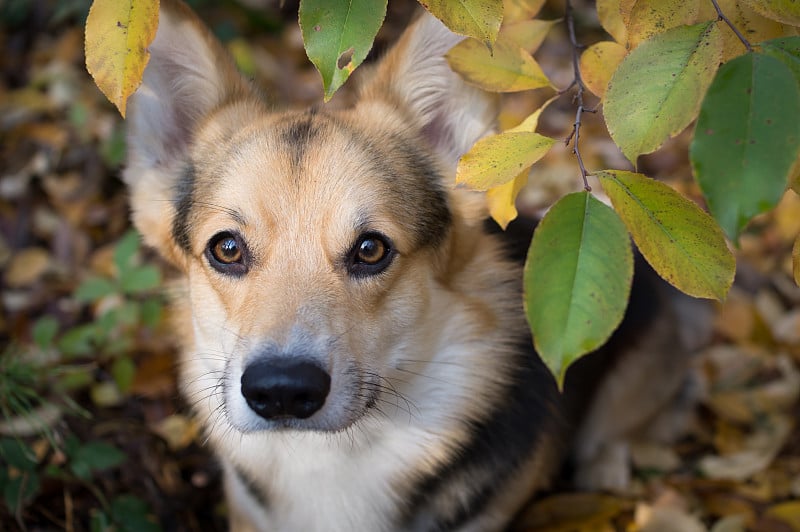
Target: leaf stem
721, 16
577, 82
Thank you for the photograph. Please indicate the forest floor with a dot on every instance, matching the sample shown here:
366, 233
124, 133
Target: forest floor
92, 430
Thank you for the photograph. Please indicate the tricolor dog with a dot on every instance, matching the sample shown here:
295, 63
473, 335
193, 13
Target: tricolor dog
352, 335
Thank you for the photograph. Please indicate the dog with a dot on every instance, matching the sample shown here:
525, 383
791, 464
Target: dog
352, 333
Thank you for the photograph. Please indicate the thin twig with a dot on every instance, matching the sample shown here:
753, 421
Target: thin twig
577, 82
721, 16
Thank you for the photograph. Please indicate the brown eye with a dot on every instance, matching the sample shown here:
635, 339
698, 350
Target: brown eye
227, 254
371, 251
371, 254
227, 250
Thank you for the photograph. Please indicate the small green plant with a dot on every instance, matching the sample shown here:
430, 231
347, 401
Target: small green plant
38, 382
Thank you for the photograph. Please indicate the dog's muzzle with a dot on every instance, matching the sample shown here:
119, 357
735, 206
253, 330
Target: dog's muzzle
286, 389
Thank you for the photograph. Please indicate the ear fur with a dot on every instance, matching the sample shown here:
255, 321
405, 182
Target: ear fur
188, 77
416, 76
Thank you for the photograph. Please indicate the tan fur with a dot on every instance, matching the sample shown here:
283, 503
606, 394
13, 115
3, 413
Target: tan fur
420, 356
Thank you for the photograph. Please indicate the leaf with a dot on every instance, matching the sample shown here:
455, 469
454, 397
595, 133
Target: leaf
577, 279
131, 514
608, 11
94, 456
338, 34
528, 34
502, 199
479, 19
515, 10
123, 370
598, 63
118, 33
498, 159
785, 11
44, 331
755, 27
657, 89
506, 68
141, 279
645, 18
94, 288
746, 139
679, 240
785, 50
125, 250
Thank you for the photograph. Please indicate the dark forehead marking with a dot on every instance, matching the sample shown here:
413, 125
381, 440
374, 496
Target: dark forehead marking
299, 132
410, 173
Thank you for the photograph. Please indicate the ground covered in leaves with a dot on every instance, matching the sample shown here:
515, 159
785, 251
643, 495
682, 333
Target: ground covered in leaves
92, 431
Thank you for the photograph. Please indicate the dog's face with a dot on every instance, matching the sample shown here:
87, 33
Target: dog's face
311, 240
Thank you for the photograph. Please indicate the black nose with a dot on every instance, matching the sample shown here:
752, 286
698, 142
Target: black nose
287, 389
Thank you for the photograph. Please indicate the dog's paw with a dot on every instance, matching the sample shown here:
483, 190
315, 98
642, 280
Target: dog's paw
607, 470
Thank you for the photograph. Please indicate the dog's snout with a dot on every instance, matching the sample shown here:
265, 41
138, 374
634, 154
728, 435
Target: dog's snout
281, 389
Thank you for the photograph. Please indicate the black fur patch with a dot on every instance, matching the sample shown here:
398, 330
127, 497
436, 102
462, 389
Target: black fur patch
499, 445
252, 488
410, 174
299, 134
182, 200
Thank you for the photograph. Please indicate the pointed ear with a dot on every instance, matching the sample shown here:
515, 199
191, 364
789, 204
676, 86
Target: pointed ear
451, 114
188, 77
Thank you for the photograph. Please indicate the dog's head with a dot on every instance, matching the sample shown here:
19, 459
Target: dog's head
311, 240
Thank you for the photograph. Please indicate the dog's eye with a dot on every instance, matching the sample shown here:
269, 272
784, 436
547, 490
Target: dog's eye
371, 254
226, 252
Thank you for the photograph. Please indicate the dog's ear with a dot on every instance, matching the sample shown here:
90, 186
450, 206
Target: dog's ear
415, 75
188, 77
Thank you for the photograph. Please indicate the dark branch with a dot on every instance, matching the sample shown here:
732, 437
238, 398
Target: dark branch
721, 16
577, 82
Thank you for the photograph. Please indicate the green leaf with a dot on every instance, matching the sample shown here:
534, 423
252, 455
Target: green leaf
746, 139
786, 50
20, 489
123, 370
338, 34
479, 19
16, 454
657, 89
44, 331
94, 288
95, 456
505, 68
125, 250
577, 279
132, 514
79, 341
142, 279
679, 240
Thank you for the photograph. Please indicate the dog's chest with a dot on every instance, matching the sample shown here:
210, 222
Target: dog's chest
330, 482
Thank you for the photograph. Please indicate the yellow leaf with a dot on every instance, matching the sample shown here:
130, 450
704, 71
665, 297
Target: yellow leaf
598, 63
507, 68
755, 27
528, 34
645, 18
502, 199
118, 33
514, 10
496, 160
785, 11
611, 19
479, 19
787, 512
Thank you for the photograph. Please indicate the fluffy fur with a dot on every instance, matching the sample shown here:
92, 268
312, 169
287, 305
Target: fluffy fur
438, 415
